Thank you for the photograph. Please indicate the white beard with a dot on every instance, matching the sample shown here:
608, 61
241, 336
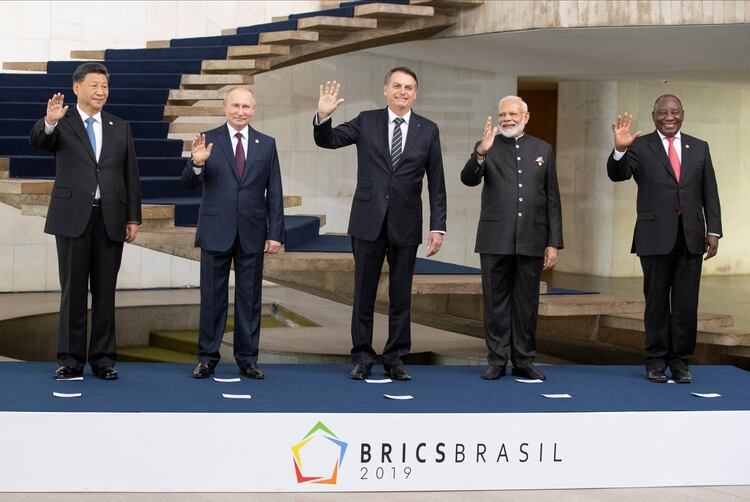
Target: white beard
513, 132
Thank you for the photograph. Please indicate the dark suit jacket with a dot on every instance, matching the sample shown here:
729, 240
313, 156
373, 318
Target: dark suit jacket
380, 188
521, 211
660, 196
251, 207
77, 174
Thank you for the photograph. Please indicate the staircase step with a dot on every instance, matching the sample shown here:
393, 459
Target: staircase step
634, 322
731, 336
449, 4
193, 95
20, 145
140, 129
166, 54
172, 112
331, 24
248, 66
389, 11
193, 128
214, 81
240, 39
289, 37
179, 341
82, 54
142, 66
25, 66
147, 354
257, 51
157, 44
26, 110
588, 305
117, 96
62, 81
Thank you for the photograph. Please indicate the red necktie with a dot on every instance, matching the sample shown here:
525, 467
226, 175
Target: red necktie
673, 158
239, 155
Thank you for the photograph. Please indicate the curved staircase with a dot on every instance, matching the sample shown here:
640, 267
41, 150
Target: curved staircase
173, 89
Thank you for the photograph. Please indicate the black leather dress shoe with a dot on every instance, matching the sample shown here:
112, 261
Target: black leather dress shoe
253, 371
67, 372
529, 372
682, 376
360, 371
203, 370
656, 375
398, 372
493, 372
106, 373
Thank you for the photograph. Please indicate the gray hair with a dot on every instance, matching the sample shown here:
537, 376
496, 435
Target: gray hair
514, 98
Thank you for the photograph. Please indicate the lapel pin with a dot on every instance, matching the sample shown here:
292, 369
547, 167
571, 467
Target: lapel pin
257, 141
687, 146
111, 123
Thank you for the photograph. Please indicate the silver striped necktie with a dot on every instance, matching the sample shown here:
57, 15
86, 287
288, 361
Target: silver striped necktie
396, 142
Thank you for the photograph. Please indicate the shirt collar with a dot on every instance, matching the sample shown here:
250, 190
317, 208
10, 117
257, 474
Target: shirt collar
392, 116
664, 137
97, 116
233, 131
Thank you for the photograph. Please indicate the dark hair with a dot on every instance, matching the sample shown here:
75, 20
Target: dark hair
665, 96
84, 69
402, 69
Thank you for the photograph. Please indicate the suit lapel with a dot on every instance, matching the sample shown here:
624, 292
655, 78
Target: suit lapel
253, 143
225, 145
74, 119
687, 156
108, 134
657, 148
382, 127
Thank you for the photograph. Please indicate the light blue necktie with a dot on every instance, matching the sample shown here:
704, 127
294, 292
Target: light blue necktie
90, 131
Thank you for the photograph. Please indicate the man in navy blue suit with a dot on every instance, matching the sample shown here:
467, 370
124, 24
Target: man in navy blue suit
395, 149
241, 218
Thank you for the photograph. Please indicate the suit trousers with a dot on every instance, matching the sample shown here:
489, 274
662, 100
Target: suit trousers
248, 287
368, 263
670, 286
93, 258
510, 290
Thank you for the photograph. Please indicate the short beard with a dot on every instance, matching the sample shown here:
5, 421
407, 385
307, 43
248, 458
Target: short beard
512, 133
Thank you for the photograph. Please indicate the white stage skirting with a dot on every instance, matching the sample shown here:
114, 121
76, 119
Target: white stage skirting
309, 452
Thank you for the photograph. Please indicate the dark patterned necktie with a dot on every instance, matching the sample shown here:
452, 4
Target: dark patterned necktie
239, 155
396, 142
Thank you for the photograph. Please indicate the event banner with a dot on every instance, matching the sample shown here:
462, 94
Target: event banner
306, 452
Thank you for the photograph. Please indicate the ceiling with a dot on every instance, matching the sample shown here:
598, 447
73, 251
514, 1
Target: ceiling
706, 53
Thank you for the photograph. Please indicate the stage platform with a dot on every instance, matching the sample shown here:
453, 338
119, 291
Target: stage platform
311, 428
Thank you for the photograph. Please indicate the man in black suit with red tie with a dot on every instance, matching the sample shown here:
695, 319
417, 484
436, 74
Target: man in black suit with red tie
395, 149
678, 221
95, 206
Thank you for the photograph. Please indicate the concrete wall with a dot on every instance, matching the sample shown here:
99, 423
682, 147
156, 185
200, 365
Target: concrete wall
599, 215
497, 16
41, 31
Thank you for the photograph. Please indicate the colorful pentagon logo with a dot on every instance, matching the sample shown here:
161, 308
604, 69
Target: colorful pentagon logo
318, 456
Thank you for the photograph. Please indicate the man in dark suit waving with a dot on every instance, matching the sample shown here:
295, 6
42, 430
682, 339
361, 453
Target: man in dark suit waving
241, 217
679, 220
94, 208
395, 148
519, 233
